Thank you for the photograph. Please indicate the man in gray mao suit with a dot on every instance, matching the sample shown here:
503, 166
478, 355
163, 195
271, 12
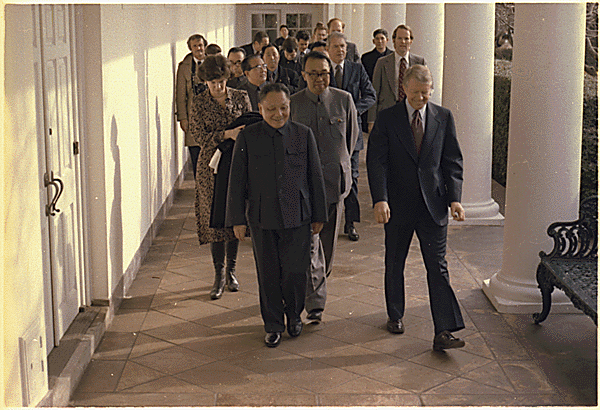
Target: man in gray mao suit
387, 71
331, 114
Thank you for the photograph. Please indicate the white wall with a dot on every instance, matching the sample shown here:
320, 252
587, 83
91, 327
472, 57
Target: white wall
21, 221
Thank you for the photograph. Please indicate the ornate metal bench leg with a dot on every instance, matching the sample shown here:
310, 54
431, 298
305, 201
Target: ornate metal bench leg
547, 288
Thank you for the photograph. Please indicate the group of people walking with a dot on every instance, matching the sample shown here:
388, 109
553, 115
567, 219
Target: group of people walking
274, 143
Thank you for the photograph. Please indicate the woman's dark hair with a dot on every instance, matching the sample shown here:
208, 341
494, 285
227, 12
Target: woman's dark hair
214, 68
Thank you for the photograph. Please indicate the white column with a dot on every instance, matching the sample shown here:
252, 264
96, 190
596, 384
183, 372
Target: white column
426, 20
544, 148
372, 17
469, 93
356, 29
392, 15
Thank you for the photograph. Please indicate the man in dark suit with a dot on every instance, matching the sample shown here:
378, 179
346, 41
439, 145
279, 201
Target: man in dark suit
389, 70
276, 169
336, 25
331, 115
260, 40
255, 71
415, 171
369, 59
236, 55
351, 77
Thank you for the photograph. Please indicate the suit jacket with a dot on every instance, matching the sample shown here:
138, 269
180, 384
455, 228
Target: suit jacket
281, 181
384, 81
184, 94
369, 59
335, 126
252, 91
399, 176
248, 49
288, 77
356, 82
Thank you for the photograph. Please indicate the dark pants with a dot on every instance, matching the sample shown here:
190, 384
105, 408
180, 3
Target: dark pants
351, 204
432, 239
282, 258
194, 153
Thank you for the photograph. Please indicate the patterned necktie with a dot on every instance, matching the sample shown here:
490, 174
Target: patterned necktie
401, 71
417, 129
338, 76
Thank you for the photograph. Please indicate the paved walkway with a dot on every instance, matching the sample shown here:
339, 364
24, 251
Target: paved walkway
170, 345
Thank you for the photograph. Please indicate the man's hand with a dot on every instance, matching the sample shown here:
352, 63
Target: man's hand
457, 211
240, 232
184, 124
233, 133
370, 126
382, 212
316, 227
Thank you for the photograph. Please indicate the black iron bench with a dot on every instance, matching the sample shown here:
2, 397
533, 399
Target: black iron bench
572, 266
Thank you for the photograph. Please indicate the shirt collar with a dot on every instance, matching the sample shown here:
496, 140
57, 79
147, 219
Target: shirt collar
411, 110
399, 58
272, 132
340, 64
313, 97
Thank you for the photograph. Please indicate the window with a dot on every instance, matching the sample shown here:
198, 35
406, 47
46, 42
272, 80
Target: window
298, 21
267, 22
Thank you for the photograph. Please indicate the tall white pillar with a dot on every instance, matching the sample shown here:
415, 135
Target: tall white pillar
392, 15
544, 147
469, 93
426, 20
355, 31
372, 18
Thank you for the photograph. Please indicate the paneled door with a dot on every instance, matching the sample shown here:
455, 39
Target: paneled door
61, 174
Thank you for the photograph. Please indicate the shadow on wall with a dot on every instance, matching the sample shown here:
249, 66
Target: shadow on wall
140, 59
116, 217
158, 192
175, 144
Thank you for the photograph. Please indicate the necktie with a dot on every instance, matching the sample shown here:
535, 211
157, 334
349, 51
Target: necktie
417, 129
338, 76
401, 71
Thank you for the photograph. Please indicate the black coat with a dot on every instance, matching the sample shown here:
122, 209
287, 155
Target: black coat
280, 180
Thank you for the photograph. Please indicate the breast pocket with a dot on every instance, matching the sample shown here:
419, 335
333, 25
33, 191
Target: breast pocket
296, 156
338, 125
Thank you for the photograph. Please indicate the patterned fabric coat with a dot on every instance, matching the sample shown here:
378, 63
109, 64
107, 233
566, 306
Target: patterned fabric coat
208, 120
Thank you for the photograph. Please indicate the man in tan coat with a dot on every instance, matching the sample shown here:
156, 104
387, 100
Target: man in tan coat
189, 83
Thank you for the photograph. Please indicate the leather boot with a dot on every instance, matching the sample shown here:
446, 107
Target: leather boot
218, 254
231, 281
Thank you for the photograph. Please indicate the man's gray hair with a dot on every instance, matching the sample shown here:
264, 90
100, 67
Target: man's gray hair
420, 73
336, 34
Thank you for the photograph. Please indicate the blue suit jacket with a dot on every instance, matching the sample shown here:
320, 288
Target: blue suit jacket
398, 175
356, 82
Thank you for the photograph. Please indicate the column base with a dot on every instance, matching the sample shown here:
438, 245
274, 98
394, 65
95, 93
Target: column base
523, 298
482, 214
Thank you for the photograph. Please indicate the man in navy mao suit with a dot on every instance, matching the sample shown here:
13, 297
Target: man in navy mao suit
414, 166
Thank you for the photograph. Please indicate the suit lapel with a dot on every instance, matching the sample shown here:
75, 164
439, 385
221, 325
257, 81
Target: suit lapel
390, 68
431, 127
346, 76
404, 132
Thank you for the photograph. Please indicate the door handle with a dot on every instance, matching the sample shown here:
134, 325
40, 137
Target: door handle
51, 208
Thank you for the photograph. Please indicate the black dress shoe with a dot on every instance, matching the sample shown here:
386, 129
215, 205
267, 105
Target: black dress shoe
395, 326
352, 233
295, 328
445, 340
272, 339
315, 316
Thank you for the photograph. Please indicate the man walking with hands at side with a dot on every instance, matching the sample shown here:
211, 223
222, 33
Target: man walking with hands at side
415, 171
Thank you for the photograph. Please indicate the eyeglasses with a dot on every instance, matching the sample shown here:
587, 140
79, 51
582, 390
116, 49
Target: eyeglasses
261, 66
322, 75
237, 62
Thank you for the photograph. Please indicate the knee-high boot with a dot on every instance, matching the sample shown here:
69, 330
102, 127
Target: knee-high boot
231, 280
218, 254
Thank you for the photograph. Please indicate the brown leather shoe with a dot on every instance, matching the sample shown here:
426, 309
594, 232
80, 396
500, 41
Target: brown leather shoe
445, 340
395, 326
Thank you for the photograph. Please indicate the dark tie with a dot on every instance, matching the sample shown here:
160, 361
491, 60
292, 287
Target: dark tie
417, 129
401, 71
338, 76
